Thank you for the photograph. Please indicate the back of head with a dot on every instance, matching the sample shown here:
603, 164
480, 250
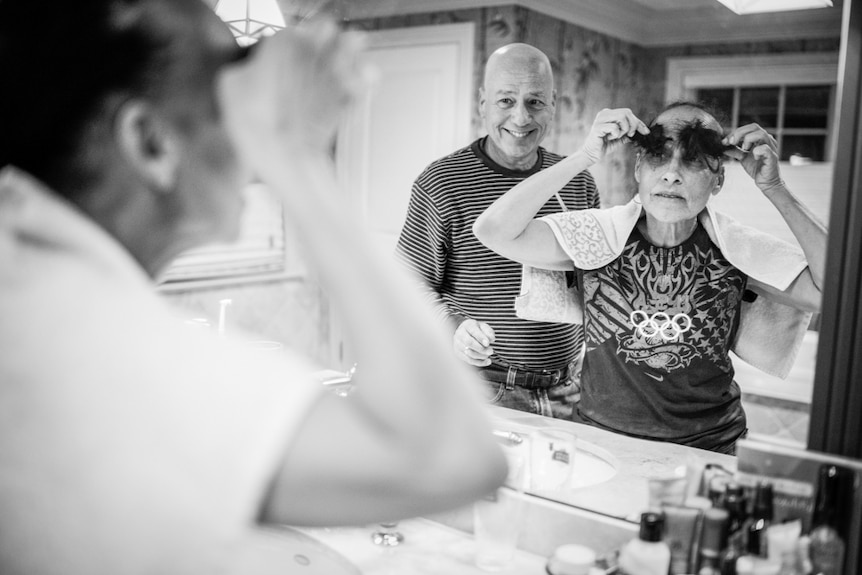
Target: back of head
66, 67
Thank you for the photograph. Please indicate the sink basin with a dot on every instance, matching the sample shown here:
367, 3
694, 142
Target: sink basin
593, 464
292, 551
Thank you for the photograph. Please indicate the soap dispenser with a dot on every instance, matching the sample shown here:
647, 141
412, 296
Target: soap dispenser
648, 554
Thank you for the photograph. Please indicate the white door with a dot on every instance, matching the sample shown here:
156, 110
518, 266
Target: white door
418, 110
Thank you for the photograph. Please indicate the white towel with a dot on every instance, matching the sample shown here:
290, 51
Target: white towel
769, 334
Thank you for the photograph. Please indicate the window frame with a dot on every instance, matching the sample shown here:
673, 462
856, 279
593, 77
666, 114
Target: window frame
687, 75
263, 235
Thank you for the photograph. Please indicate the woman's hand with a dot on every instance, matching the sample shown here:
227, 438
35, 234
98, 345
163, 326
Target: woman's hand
757, 151
292, 91
610, 126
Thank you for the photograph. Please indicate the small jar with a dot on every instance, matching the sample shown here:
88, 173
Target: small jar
572, 559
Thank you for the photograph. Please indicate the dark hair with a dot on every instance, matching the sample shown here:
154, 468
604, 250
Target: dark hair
697, 141
63, 64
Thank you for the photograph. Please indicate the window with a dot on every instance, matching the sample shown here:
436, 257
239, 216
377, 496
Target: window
259, 252
797, 116
791, 95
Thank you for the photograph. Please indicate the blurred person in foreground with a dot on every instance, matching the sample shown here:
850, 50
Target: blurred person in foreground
667, 286
527, 365
130, 443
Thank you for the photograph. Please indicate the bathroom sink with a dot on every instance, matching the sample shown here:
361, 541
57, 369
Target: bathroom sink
592, 465
294, 552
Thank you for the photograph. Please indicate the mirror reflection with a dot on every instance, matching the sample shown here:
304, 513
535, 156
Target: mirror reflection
778, 70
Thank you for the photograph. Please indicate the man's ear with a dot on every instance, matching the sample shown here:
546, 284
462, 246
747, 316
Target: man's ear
637, 168
148, 143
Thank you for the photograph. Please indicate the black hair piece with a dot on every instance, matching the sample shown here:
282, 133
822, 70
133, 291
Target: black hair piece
652, 143
699, 142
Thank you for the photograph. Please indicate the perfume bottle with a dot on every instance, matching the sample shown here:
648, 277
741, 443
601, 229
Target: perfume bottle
736, 504
760, 520
827, 537
648, 554
713, 540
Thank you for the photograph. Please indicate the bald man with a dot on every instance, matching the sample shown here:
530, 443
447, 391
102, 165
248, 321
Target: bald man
526, 365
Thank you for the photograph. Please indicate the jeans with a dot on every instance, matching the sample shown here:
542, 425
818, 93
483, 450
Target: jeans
558, 400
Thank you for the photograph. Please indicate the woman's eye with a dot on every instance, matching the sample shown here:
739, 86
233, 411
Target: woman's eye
657, 157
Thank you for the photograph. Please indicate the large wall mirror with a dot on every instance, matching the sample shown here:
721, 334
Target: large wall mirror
782, 70
792, 72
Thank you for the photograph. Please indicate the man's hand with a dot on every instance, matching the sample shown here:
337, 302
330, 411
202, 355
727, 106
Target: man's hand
610, 126
472, 342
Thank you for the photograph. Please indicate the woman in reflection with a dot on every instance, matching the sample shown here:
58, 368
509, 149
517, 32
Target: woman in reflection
667, 286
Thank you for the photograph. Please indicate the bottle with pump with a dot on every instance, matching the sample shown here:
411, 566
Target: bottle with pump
826, 544
648, 554
713, 540
760, 520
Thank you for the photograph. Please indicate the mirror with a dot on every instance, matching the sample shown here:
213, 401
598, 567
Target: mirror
778, 69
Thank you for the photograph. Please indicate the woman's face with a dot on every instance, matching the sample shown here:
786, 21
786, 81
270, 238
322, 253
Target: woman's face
673, 186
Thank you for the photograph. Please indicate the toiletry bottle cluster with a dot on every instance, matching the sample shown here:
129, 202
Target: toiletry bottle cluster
734, 533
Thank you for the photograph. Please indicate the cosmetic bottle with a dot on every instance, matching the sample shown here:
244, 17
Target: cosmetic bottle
826, 540
759, 521
785, 548
712, 541
648, 554
735, 503
572, 559
682, 527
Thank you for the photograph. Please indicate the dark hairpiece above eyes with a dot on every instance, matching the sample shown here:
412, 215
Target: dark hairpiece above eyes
697, 142
652, 143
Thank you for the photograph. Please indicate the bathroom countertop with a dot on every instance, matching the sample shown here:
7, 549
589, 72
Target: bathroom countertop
625, 495
429, 548
602, 515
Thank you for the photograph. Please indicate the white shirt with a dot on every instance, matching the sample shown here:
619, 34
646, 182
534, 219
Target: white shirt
129, 442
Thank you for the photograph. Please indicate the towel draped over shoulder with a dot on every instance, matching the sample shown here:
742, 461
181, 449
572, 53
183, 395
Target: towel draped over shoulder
770, 333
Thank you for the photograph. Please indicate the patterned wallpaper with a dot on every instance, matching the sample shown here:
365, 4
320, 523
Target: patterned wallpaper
592, 70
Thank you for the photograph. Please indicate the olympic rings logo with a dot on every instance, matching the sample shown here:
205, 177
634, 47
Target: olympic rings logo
660, 324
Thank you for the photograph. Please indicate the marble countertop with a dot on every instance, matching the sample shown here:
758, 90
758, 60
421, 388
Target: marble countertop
601, 515
429, 548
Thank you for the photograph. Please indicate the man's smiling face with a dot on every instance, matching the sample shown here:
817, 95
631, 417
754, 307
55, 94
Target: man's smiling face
517, 104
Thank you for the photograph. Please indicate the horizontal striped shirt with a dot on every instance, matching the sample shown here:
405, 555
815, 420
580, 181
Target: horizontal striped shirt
464, 279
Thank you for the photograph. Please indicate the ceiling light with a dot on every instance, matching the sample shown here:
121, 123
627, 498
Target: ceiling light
753, 6
250, 20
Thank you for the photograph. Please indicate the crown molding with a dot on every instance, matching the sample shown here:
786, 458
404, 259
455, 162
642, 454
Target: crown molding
633, 22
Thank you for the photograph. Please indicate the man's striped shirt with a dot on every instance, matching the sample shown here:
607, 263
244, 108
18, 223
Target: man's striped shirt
463, 278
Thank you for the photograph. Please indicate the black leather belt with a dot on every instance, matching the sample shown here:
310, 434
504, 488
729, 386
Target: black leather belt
530, 379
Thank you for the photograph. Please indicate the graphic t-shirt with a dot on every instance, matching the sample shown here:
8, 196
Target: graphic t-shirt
659, 323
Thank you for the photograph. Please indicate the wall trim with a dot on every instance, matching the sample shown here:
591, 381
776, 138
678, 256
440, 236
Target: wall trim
686, 74
635, 23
